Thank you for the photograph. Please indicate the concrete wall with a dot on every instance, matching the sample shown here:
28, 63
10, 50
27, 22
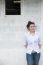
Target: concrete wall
12, 51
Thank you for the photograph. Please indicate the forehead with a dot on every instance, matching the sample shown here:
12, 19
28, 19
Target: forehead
32, 25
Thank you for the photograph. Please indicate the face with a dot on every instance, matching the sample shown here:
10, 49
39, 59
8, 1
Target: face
32, 28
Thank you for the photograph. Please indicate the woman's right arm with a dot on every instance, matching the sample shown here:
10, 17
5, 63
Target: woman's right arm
26, 44
25, 40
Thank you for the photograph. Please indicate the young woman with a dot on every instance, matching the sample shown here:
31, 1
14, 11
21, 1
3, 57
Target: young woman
32, 44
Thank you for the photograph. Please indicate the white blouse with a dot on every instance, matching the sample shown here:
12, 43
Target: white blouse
32, 42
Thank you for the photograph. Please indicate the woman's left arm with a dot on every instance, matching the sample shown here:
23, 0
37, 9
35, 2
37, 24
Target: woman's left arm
40, 45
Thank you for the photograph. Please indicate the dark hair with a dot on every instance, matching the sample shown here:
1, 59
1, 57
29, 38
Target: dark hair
29, 23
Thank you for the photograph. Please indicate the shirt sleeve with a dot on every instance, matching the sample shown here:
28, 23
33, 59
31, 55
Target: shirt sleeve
39, 38
25, 39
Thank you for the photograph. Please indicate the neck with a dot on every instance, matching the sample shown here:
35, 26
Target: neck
32, 32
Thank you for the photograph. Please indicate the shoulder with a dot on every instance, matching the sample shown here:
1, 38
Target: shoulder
38, 33
27, 33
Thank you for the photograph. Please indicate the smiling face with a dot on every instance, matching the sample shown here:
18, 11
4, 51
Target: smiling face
32, 28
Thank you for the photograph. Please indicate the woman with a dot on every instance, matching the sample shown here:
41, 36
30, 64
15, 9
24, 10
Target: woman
32, 44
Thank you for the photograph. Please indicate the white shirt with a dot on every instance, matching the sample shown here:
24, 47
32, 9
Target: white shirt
32, 42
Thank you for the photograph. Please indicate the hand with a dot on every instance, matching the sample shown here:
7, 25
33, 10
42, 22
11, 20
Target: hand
39, 46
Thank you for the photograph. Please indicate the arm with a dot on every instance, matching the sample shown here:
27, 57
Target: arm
40, 46
39, 43
25, 40
26, 45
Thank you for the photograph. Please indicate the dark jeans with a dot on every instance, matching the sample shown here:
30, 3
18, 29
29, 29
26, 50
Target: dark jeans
33, 58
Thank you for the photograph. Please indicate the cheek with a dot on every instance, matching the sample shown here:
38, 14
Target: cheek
33, 28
